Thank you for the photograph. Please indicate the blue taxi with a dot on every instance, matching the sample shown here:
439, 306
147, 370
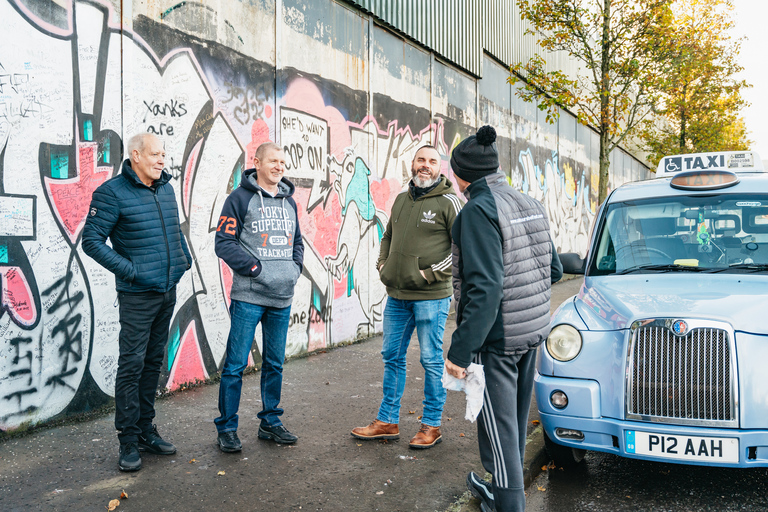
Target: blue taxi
663, 353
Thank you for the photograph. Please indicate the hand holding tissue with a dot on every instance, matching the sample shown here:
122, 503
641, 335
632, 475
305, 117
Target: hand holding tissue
473, 384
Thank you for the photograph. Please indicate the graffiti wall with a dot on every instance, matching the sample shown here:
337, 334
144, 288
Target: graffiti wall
349, 101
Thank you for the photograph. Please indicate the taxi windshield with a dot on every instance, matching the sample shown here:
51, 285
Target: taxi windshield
705, 233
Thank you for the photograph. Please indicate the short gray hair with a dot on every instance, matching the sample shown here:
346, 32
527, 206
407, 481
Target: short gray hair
138, 142
264, 148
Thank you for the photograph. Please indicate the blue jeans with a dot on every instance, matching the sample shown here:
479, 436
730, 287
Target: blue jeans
274, 327
400, 318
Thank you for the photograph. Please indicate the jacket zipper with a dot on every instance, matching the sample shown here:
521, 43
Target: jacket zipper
167, 246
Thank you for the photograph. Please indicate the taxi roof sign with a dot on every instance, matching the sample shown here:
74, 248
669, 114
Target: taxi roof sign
734, 161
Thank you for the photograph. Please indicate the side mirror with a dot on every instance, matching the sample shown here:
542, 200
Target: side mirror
572, 263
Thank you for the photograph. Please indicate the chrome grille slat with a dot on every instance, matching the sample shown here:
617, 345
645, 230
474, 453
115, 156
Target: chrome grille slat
681, 379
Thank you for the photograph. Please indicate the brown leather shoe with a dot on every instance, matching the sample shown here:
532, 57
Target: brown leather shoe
427, 437
377, 430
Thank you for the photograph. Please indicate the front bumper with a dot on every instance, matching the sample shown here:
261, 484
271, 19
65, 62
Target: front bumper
610, 434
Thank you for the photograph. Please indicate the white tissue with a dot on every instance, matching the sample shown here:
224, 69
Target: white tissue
473, 384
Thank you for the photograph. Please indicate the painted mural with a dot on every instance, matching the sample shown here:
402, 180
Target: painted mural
74, 84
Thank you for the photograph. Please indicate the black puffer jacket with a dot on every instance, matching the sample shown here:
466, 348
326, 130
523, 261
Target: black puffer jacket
149, 251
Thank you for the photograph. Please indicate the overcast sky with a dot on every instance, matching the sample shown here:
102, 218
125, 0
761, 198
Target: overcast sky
752, 22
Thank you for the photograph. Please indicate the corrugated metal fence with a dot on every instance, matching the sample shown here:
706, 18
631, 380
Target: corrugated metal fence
460, 30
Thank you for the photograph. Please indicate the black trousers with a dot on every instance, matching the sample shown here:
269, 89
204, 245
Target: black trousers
502, 425
144, 321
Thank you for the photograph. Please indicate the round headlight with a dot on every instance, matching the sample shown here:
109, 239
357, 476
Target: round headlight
564, 342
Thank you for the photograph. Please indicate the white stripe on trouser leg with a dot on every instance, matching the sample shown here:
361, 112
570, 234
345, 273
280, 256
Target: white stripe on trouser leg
500, 469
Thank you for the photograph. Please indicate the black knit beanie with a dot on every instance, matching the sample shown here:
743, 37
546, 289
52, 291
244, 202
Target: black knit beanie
476, 156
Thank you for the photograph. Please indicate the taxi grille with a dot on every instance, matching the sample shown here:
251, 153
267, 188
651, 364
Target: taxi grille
686, 378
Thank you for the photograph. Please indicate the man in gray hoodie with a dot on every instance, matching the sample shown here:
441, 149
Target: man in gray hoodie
258, 236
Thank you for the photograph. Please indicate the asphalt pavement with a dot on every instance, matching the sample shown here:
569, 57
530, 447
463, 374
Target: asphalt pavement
325, 395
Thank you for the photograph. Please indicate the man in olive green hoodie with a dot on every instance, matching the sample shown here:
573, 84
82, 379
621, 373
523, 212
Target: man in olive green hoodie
415, 265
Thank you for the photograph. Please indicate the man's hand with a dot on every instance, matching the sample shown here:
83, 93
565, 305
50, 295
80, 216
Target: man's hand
455, 371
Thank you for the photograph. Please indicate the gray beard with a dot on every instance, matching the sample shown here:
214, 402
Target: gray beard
418, 182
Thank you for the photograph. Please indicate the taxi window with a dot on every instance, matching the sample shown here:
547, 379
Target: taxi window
683, 233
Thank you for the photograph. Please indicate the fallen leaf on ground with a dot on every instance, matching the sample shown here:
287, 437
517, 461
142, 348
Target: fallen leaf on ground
542, 489
123, 495
411, 412
418, 418
389, 481
193, 461
449, 419
379, 492
461, 435
221, 473
536, 422
359, 444
113, 505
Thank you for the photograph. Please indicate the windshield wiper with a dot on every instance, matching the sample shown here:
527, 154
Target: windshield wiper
754, 267
666, 267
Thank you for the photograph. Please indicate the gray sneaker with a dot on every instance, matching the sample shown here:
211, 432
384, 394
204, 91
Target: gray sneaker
480, 489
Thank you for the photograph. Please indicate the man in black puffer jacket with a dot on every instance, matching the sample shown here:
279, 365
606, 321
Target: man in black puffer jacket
137, 211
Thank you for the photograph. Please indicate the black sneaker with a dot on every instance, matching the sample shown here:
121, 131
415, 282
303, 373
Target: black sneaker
480, 490
152, 442
229, 442
278, 434
130, 458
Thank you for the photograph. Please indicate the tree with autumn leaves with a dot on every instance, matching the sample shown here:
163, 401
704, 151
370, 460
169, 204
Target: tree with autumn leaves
626, 51
700, 96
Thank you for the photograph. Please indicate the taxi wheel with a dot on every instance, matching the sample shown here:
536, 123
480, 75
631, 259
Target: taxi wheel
564, 456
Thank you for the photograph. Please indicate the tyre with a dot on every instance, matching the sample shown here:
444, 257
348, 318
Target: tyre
564, 456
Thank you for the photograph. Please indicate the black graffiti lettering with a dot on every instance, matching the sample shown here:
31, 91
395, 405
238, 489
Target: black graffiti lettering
295, 153
63, 283
18, 358
298, 318
24, 412
174, 170
293, 123
73, 339
162, 129
71, 347
315, 157
315, 316
171, 108
58, 380
19, 394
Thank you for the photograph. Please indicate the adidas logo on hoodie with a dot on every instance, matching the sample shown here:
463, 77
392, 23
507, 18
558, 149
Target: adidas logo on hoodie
428, 216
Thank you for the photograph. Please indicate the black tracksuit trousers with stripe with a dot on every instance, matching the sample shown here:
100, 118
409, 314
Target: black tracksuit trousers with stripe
503, 424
